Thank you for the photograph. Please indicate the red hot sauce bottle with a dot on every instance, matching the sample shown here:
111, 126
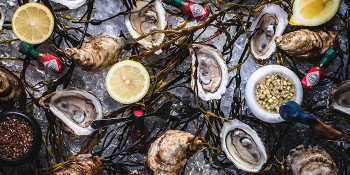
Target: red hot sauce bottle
315, 74
44, 59
139, 130
189, 8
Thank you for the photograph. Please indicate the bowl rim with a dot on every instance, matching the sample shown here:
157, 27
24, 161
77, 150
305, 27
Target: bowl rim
37, 138
250, 91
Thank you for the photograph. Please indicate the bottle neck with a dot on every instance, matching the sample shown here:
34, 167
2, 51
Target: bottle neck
26, 49
328, 57
138, 117
175, 3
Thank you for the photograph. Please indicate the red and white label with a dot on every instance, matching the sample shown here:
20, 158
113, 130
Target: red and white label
52, 63
312, 78
196, 11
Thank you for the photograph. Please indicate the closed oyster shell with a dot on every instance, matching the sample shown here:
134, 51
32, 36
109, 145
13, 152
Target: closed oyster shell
83, 164
339, 97
71, 4
305, 160
243, 147
12, 93
76, 108
98, 52
306, 43
147, 20
268, 23
169, 152
209, 75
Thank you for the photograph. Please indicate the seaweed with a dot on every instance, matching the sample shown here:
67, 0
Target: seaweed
231, 21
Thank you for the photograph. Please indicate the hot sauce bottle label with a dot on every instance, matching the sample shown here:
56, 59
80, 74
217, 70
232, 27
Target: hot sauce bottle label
196, 11
51, 63
312, 78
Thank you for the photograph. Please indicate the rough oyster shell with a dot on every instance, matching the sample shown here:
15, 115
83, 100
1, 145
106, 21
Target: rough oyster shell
149, 19
339, 97
244, 147
98, 52
83, 164
310, 161
268, 23
209, 72
71, 4
306, 43
169, 152
12, 93
76, 108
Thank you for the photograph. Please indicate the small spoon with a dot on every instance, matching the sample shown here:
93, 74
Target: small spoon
292, 111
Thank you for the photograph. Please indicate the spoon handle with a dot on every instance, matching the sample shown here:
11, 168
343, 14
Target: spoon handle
96, 124
325, 129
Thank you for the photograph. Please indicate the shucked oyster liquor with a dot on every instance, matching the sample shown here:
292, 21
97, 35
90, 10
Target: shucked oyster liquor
268, 23
12, 93
339, 97
151, 18
243, 146
76, 108
305, 160
98, 52
169, 152
209, 72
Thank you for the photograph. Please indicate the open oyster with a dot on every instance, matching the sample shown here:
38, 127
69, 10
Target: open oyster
169, 152
339, 97
147, 20
71, 4
83, 164
306, 43
268, 23
12, 93
2, 18
243, 146
310, 161
209, 72
76, 108
98, 52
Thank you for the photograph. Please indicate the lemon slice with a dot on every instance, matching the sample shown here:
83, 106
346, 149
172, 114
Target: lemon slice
313, 12
127, 81
32, 23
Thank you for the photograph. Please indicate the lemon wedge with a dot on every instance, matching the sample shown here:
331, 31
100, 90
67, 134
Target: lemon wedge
127, 81
33, 23
313, 12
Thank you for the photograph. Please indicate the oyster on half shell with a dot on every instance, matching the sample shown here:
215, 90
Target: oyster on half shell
339, 97
71, 4
243, 147
76, 108
305, 160
268, 23
209, 72
151, 18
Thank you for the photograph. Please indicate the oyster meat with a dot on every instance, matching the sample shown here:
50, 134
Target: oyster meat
169, 152
306, 43
147, 20
339, 97
268, 23
71, 4
2, 18
305, 160
209, 72
98, 52
76, 108
12, 93
83, 164
243, 147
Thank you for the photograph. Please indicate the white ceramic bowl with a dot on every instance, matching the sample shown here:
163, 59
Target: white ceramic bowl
259, 75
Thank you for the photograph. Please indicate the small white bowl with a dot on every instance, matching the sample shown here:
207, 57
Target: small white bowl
259, 75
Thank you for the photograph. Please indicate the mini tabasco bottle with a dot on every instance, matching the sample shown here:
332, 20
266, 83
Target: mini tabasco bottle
139, 130
315, 74
189, 8
45, 59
